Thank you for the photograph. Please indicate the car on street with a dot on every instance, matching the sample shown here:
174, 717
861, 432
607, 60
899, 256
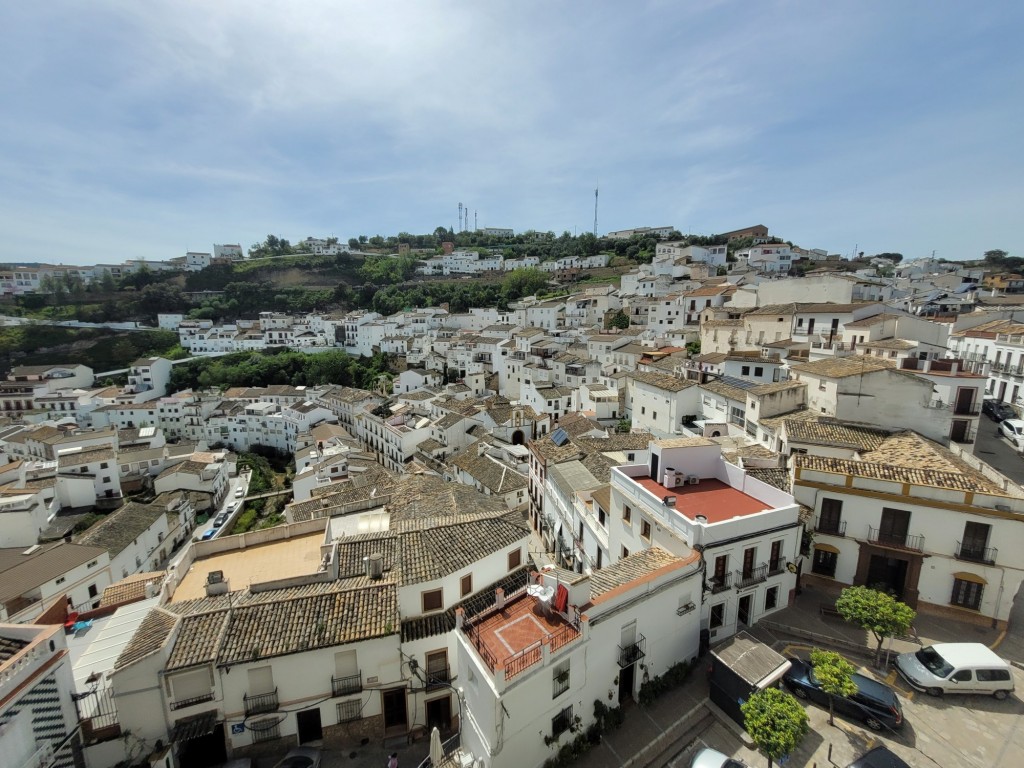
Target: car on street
239, 493
997, 410
209, 534
712, 758
220, 519
875, 704
879, 757
300, 757
1012, 430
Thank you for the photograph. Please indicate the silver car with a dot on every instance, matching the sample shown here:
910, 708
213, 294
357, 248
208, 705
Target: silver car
300, 757
712, 758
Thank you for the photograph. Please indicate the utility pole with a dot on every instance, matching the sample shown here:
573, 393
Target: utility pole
595, 210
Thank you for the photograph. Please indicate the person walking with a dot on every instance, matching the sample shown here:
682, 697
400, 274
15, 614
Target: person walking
393, 760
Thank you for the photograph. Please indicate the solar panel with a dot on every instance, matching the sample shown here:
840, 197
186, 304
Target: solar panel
559, 437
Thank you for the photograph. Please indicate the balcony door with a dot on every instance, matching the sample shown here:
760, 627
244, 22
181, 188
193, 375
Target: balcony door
975, 540
894, 527
261, 681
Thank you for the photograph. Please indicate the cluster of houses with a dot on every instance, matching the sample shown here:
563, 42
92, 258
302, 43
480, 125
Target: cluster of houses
539, 509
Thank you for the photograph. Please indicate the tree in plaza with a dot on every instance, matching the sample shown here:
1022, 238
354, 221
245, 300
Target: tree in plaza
881, 613
775, 721
835, 675
619, 320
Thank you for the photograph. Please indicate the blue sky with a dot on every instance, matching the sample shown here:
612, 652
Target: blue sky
133, 130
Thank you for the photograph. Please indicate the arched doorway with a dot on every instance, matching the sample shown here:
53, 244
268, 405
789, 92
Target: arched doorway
517, 437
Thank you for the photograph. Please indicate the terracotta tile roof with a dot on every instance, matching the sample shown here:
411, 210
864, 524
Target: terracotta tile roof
662, 381
867, 322
889, 344
627, 569
131, 589
828, 432
489, 472
20, 573
841, 367
907, 458
9, 646
122, 527
148, 638
603, 496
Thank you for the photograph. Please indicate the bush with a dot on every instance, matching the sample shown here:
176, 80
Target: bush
673, 677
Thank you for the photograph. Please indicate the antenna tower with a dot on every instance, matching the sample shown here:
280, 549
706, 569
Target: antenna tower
460, 217
595, 211
475, 225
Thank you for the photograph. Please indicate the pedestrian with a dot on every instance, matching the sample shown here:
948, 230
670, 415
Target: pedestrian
393, 760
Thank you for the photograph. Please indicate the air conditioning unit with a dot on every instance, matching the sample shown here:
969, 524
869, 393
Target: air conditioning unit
692, 479
669, 501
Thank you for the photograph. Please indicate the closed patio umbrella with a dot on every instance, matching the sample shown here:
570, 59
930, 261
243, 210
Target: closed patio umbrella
436, 752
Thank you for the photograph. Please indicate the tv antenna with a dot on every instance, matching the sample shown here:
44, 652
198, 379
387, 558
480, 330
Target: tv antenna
595, 211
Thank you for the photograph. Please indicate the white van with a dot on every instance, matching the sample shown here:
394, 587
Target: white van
956, 668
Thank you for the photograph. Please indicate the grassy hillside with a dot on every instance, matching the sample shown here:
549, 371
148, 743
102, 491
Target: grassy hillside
98, 348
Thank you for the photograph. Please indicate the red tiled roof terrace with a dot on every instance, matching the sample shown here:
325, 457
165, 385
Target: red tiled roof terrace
714, 499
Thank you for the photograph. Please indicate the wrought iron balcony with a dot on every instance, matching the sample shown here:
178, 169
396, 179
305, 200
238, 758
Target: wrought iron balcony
896, 540
753, 576
976, 554
630, 654
438, 676
831, 527
343, 686
182, 703
776, 566
260, 702
720, 583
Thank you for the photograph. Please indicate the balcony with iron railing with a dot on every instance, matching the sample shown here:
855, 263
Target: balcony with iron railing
347, 684
976, 554
260, 702
632, 653
751, 576
895, 540
776, 566
720, 583
438, 676
830, 527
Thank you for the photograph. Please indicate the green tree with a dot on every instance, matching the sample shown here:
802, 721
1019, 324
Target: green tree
996, 255
835, 675
882, 614
619, 320
775, 721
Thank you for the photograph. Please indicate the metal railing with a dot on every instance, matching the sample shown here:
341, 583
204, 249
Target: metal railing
260, 702
831, 527
632, 653
192, 701
776, 566
752, 576
720, 583
976, 554
343, 686
438, 676
898, 540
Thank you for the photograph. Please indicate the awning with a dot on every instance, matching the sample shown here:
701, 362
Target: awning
968, 576
827, 548
194, 727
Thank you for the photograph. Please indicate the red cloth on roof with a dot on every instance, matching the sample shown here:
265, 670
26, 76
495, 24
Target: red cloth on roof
561, 599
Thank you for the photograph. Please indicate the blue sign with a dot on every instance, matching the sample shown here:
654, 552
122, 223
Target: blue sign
237, 728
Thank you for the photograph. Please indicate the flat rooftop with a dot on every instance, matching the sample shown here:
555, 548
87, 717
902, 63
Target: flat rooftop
283, 559
511, 638
716, 500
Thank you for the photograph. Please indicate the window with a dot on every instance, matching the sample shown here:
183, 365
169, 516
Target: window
992, 675
831, 516
60, 580
625, 552
560, 723
559, 679
645, 529
515, 559
433, 600
759, 371
466, 584
103, 465
348, 711
967, 594
93, 591
962, 676
771, 598
717, 616
627, 513
745, 370
266, 730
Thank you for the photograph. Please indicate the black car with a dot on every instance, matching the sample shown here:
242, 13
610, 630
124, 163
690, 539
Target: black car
998, 410
879, 757
874, 704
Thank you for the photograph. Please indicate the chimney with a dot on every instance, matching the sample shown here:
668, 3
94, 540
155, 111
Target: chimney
460, 618
375, 566
499, 598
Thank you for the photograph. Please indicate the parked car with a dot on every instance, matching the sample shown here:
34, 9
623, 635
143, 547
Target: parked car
956, 668
998, 410
712, 758
879, 757
874, 704
239, 492
209, 534
300, 757
220, 519
1012, 430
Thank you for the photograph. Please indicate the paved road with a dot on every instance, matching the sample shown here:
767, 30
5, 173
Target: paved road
997, 451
